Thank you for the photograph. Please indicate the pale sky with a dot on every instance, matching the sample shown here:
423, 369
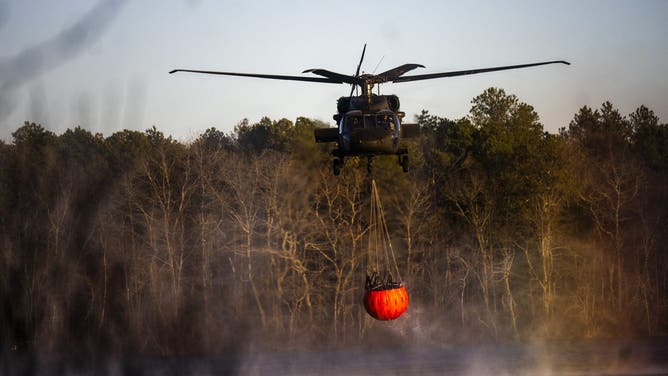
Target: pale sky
105, 67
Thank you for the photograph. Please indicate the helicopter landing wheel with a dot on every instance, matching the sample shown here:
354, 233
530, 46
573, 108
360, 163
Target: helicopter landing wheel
336, 166
403, 161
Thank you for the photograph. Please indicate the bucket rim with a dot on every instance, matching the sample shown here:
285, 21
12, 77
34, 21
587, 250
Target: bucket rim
386, 286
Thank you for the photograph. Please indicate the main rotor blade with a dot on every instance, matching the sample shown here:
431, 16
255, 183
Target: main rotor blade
472, 71
336, 77
269, 76
357, 72
392, 74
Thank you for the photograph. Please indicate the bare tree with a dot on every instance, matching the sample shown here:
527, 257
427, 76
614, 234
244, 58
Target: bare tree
472, 203
339, 212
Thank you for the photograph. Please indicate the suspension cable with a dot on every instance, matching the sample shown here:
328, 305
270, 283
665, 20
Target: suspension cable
380, 243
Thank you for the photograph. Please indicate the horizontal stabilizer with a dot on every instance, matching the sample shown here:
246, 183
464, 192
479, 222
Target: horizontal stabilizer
326, 134
410, 130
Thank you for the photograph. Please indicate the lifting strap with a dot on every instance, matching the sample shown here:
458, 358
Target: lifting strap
382, 258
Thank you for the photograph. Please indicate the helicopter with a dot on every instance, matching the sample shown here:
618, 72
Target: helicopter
369, 124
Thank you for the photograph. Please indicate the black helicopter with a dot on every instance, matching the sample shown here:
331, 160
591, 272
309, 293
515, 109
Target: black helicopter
369, 124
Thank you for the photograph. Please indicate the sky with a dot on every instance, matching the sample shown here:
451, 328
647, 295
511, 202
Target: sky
103, 65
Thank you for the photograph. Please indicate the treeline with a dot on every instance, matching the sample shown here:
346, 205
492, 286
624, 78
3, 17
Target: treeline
138, 244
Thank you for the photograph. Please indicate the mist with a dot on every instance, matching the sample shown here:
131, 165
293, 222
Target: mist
241, 252
34, 61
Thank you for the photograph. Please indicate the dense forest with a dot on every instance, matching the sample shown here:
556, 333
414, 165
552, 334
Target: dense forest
135, 243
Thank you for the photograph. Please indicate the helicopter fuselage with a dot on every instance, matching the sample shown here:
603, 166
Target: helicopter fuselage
369, 133
367, 125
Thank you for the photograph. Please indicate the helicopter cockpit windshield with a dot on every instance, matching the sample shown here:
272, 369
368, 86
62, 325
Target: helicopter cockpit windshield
371, 121
387, 122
